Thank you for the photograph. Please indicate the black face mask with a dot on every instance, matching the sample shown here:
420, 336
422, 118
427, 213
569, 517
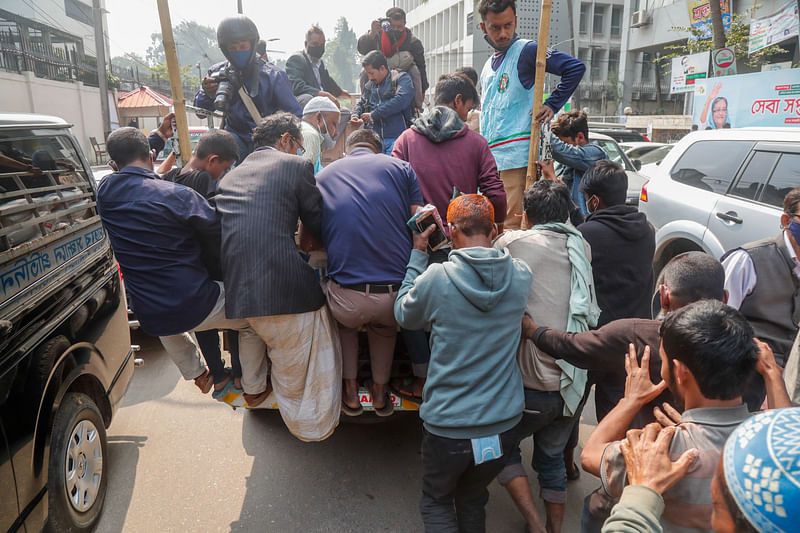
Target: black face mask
395, 34
316, 52
502, 50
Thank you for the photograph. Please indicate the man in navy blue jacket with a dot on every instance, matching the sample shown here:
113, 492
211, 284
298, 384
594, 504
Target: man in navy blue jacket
267, 85
507, 80
385, 106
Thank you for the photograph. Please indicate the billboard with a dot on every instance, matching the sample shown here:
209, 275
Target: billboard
700, 17
686, 70
758, 99
724, 61
773, 29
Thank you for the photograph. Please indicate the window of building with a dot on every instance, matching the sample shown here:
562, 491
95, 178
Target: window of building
635, 6
613, 63
647, 66
584, 20
470, 23
616, 21
596, 60
599, 20
79, 11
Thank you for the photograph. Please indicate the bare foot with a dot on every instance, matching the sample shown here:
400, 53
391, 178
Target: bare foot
204, 382
350, 394
221, 385
254, 400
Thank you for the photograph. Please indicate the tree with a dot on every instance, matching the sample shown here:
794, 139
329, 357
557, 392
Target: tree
737, 38
717, 28
341, 56
195, 43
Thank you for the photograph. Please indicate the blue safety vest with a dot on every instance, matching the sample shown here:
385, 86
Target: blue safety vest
505, 110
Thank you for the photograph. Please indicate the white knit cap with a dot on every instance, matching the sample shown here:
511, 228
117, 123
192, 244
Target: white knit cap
320, 104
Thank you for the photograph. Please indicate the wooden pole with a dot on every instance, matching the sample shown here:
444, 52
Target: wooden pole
174, 70
538, 90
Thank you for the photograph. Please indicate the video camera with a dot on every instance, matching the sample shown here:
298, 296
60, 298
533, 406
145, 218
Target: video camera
228, 82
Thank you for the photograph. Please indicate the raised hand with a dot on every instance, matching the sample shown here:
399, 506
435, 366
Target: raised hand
638, 386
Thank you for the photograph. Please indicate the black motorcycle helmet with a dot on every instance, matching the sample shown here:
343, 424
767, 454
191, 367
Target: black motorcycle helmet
237, 28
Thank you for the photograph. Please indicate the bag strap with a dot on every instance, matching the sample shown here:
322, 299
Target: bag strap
250, 105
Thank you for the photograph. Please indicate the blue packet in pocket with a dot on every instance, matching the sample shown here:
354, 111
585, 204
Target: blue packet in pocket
486, 449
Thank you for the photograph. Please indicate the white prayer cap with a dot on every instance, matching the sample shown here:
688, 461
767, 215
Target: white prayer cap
320, 104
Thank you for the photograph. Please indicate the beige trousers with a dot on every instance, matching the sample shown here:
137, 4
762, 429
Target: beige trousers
514, 183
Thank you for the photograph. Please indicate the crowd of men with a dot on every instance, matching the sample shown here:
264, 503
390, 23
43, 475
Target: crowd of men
506, 329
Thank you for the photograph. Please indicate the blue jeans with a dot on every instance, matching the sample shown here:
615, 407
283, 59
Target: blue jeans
544, 420
577, 196
388, 144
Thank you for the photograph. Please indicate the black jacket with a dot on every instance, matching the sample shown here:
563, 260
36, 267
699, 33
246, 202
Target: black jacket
412, 44
301, 76
623, 243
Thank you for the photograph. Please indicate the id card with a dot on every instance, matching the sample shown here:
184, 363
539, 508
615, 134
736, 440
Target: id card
486, 449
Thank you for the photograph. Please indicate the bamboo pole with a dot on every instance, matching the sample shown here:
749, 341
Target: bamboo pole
538, 90
179, 104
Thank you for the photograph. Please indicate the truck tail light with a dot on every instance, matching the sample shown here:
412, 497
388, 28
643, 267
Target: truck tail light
643, 194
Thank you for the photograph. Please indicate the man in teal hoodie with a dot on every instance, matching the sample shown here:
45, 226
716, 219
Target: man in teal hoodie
473, 398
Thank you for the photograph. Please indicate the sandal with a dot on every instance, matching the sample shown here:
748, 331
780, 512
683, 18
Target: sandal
204, 382
405, 389
352, 411
229, 386
387, 409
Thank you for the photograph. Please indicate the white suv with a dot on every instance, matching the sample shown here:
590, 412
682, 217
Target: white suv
719, 189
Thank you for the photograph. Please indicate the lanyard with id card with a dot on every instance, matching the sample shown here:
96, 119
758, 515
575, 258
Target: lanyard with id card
486, 449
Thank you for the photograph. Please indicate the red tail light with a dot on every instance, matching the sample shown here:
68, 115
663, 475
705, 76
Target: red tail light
645, 138
643, 194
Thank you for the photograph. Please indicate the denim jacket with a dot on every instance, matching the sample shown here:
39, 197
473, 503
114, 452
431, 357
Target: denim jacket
575, 161
390, 111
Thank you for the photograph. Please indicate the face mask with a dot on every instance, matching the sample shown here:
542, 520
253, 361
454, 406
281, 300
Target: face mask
396, 34
327, 140
316, 52
299, 152
240, 59
502, 50
794, 229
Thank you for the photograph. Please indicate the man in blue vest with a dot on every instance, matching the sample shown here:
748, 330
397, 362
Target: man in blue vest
507, 81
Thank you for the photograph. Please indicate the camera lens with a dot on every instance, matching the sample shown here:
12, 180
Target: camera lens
223, 93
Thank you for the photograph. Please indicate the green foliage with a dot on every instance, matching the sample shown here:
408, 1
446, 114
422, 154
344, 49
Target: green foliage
736, 38
341, 56
194, 43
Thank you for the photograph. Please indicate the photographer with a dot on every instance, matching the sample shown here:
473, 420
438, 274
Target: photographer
403, 51
266, 85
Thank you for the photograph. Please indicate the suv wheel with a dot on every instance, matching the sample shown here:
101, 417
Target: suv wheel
77, 477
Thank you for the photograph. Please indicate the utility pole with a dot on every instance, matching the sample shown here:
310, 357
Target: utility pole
174, 70
102, 78
239, 6
717, 29
538, 91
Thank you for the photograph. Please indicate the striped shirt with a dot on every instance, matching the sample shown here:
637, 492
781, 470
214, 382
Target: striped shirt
687, 505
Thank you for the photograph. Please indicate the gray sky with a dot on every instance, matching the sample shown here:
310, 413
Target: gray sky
130, 22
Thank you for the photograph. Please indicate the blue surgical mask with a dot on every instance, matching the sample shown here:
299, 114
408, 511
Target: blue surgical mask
240, 59
794, 229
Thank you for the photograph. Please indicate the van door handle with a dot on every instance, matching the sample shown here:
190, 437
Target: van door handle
730, 216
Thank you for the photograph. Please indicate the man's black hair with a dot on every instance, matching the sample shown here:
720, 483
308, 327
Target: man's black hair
547, 201
126, 145
395, 13
570, 124
496, 6
272, 128
606, 180
375, 60
217, 142
364, 136
451, 85
716, 344
693, 276
791, 200
312, 30
469, 72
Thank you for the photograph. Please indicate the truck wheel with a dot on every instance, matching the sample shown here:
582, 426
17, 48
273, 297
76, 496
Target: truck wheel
76, 482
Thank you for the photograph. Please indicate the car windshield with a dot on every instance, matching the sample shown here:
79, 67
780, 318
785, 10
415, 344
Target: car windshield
655, 156
614, 152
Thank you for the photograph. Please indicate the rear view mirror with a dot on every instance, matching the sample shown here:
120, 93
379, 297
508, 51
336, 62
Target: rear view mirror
637, 164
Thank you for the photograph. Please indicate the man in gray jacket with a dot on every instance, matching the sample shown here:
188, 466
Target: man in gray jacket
271, 285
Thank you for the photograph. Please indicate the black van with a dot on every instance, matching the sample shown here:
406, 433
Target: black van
65, 352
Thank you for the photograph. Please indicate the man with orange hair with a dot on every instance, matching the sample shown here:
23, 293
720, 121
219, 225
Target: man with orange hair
473, 398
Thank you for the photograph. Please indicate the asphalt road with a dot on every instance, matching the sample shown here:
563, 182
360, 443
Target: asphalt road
179, 461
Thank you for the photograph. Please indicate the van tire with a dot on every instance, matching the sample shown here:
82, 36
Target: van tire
75, 475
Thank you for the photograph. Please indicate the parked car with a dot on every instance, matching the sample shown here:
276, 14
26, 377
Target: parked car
615, 152
635, 150
621, 135
654, 156
65, 354
719, 189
